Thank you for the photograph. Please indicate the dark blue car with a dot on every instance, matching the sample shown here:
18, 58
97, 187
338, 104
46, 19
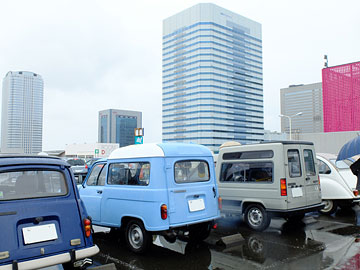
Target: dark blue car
43, 222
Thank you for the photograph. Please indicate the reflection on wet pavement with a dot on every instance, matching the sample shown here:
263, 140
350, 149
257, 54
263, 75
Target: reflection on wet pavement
319, 242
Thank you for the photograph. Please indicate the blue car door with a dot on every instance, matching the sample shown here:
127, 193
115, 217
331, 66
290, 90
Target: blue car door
92, 191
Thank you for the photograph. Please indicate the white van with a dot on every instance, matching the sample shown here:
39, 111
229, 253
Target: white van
265, 180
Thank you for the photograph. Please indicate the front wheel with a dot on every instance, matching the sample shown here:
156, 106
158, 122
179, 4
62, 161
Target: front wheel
137, 238
256, 217
330, 207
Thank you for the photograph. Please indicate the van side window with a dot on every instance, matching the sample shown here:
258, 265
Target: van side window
294, 163
323, 168
247, 172
129, 173
95, 175
309, 162
191, 171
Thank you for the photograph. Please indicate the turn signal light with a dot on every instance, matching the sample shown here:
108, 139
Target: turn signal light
164, 211
220, 202
283, 187
356, 192
87, 227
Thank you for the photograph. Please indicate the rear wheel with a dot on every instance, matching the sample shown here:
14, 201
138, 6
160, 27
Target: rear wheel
330, 207
137, 238
256, 217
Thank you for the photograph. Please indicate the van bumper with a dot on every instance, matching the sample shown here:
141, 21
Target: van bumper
53, 260
296, 211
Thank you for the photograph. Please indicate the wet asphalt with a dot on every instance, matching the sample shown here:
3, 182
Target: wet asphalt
318, 242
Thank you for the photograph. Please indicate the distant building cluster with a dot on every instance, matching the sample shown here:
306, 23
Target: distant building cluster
328, 106
212, 92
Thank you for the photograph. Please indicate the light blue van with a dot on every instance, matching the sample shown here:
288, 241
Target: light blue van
167, 189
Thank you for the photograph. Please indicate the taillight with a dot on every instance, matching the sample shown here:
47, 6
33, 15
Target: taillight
164, 211
319, 182
87, 227
86, 166
356, 192
220, 202
283, 187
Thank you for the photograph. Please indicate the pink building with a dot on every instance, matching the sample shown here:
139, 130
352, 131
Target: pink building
341, 97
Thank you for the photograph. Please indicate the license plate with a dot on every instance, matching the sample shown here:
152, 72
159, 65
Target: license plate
297, 192
196, 205
41, 233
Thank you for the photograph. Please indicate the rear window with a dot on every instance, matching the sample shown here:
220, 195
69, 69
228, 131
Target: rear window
18, 185
191, 171
247, 172
76, 162
309, 162
294, 163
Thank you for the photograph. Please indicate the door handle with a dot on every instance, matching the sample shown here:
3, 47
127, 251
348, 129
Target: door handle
99, 191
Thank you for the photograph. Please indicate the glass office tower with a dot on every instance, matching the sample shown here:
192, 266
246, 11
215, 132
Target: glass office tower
117, 126
22, 113
212, 77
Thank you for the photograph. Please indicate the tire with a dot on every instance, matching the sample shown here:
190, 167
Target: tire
199, 232
257, 218
137, 238
330, 207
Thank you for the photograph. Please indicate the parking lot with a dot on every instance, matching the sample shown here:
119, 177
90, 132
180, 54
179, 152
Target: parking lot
319, 242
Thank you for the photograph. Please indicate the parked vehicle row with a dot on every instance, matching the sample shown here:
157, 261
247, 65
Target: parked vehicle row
168, 189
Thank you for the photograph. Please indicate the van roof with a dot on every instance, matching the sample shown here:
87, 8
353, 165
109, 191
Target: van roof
289, 142
160, 150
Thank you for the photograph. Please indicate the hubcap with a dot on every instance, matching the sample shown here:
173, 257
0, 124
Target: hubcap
255, 217
328, 205
136, 237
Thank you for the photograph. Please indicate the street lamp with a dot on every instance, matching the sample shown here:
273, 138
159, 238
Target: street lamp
289, 117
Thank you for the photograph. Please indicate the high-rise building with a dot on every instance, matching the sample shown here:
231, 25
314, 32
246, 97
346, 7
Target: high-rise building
341, 91
303, 105
212, 77
117, 126
22, 113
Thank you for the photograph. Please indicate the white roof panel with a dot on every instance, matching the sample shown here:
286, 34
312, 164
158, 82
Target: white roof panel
137, 151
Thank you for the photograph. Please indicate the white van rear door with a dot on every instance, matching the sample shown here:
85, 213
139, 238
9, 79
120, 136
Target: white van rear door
313, 195
295, 178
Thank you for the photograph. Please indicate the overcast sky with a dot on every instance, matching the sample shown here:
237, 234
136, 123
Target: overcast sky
96, 55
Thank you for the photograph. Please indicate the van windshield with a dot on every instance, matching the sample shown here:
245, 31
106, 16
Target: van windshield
191, 171
17, 185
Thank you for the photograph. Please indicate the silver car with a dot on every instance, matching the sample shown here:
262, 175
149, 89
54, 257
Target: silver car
79, 168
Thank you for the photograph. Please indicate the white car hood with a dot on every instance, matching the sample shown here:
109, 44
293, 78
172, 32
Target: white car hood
349, 178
